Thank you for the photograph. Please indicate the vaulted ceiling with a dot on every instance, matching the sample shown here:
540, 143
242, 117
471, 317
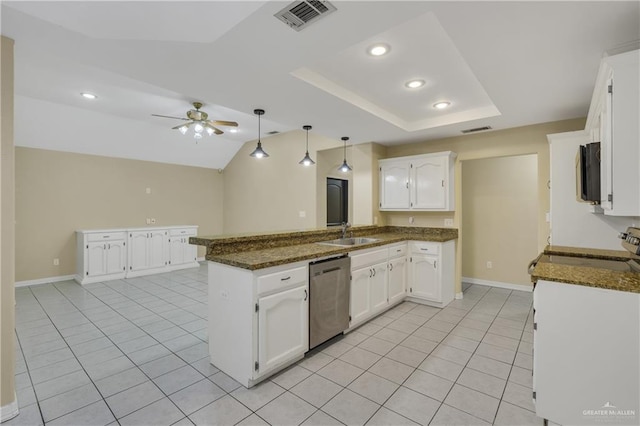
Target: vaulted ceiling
499, 64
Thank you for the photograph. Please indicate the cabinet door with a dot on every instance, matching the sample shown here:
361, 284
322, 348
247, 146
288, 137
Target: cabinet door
190, 251
425, 282
606, 152
138, 249
394, 185
176, 251
379, 290
360, 303
397, 279
428, 183
96, 260
283, 327
156, 241
115, 257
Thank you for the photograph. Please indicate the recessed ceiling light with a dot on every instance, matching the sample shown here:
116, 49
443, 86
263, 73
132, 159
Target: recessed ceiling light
441, 105
379, 49
414, 84
88, 95
233, 130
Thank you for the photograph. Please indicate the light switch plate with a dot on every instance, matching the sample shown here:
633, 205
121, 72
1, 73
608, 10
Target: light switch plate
302, 213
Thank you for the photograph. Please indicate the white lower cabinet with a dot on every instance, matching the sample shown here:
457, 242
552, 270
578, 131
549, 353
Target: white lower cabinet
110, 254
283, 327
252, 344
148, 251
101, 256
586, 347
181, 253
431, 275
369, 292
397, 279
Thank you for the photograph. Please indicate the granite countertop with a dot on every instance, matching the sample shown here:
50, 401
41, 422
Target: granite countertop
266, 250
587, 273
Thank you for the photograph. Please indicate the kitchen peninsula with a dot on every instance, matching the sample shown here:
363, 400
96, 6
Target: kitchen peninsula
259, 292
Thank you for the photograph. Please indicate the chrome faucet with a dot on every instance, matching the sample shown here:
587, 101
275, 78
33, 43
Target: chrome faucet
345, 226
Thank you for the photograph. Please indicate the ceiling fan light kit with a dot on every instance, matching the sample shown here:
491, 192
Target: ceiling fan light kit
199, 121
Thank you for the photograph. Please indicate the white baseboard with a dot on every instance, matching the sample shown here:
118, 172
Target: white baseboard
9, 411
498, 284
459, 295
27, 283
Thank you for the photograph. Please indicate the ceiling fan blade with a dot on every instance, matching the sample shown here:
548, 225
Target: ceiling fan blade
215, 129
183, 124
168, 116
224, 123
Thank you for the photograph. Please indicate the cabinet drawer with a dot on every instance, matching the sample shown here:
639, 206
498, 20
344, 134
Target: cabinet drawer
278, 280
107, 236
397, 251
189, 232
365, 259
425, 247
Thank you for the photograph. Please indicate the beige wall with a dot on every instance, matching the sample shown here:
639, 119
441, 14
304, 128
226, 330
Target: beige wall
499, 219
59, 192
517, 141
268, 194
7, 229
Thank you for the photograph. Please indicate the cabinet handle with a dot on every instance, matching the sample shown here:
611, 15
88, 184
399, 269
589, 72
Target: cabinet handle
374, 272
434, 264
370, 273
105, 246
398, 251
285, 279
424, 249
443, 183
305, 294
407, 185
391, 266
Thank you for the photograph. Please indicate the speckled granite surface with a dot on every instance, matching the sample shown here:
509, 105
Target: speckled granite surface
590, 274
266, 250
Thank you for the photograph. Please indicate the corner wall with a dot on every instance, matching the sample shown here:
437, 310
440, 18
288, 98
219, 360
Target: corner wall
60, 192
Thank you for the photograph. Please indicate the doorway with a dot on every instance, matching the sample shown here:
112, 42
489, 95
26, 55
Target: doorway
337, 201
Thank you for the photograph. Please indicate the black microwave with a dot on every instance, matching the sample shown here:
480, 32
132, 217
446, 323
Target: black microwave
588, 173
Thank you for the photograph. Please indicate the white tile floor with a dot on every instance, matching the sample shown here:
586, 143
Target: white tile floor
134, 352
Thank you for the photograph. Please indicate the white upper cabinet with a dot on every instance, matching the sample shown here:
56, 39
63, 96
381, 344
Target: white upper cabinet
613, 121
420, 182
394, 185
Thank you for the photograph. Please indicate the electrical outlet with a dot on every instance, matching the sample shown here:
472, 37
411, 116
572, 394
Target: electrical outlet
148, 190
148, 221
489, 264
375, 220
302, 213
56, 262
411, 220
153, 220
448, 222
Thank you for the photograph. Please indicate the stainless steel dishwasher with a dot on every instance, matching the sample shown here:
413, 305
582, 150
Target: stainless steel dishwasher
329, 289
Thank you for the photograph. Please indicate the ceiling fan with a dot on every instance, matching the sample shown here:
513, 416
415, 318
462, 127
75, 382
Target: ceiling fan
199, 121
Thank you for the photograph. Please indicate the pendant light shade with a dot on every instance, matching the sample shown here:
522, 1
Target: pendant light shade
345, 167
259, 152
307, 161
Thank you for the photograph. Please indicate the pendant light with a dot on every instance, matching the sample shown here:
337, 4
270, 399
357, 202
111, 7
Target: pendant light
307, 161
259, 152
345, 167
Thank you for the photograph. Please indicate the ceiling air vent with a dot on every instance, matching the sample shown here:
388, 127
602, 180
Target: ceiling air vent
477, 129
301, 14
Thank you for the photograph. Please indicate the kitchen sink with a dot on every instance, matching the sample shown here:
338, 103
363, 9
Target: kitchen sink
349, 241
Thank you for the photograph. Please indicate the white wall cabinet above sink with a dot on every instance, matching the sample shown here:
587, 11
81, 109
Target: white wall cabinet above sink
420, 182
